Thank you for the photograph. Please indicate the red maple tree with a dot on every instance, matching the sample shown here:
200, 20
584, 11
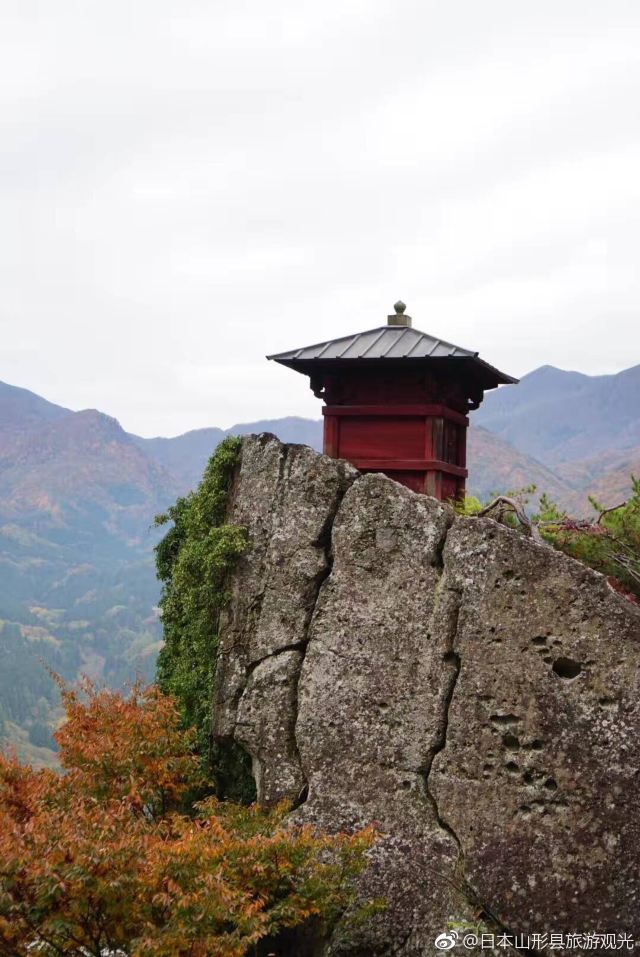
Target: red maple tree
108, 858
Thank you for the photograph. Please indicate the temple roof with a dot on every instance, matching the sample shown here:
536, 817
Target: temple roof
391, 342
384, 342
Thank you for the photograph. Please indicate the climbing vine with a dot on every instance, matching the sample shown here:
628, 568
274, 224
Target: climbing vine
193, 561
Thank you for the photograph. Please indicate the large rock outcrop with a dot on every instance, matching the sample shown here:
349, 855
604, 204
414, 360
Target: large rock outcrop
472, 692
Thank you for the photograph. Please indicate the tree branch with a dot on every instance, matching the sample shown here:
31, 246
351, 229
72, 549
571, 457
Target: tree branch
503, 502
605, 511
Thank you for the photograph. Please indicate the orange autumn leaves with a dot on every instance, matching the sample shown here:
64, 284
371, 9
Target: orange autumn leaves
110, 859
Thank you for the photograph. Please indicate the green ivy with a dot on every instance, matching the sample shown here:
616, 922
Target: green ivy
193, 561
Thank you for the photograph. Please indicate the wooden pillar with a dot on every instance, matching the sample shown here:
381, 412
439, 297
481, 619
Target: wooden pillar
462, 459
331, 435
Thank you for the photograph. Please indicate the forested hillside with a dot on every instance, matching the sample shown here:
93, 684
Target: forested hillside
77, 587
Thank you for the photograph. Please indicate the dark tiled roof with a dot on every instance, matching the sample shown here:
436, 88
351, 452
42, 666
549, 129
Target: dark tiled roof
384, 342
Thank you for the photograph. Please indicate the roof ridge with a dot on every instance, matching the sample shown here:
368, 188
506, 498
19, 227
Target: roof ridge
325, 342
381, 330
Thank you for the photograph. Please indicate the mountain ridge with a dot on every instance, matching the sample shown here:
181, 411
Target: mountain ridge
20, 408
558, 416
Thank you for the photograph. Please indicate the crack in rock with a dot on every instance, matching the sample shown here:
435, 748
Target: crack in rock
444, 626
287, 497
294, 646
446, 617
324, 542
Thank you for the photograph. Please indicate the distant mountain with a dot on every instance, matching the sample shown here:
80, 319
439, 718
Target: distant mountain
559, 416
78, 496
607, 476
185, 456
79, 474
21, 409
495, 466
614, 486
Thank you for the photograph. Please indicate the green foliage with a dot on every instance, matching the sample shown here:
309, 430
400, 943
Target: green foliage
469, 505
610, 545
193, 560
548, 511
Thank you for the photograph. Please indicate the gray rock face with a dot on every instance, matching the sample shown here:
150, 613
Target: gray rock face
540, 771
470, 691
287, 497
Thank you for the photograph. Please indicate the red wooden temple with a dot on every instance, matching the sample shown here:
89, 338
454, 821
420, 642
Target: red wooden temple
397, 401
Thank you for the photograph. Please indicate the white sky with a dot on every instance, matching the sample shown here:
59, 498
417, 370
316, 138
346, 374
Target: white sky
186, 186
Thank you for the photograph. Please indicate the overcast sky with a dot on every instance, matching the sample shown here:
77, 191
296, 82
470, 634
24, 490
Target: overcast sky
186, 186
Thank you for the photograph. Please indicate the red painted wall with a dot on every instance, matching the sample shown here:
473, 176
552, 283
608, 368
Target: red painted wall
381, 437
410, 426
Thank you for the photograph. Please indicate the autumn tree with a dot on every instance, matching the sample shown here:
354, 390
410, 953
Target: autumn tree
107, 858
